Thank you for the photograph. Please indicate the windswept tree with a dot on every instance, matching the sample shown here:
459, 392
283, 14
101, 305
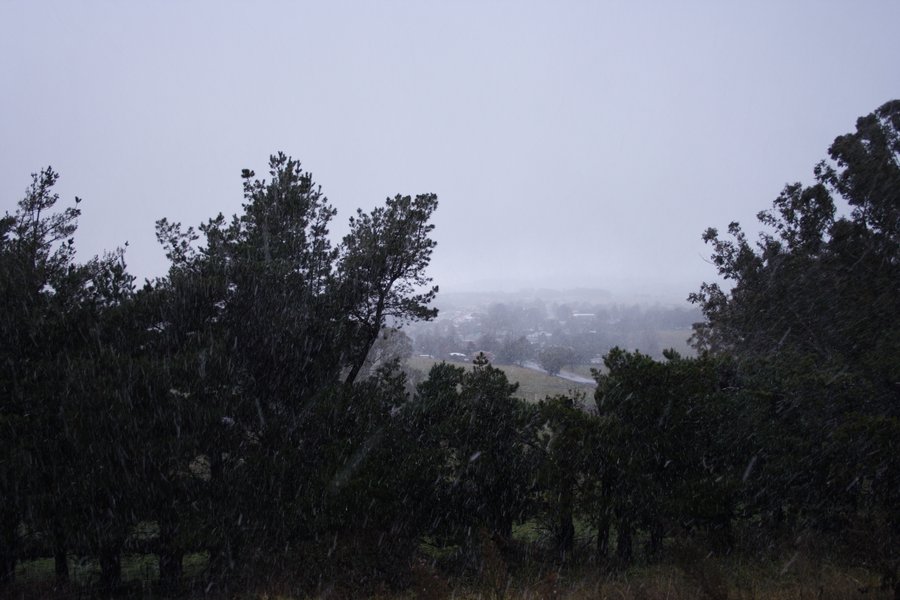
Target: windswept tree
382, 272
392, 346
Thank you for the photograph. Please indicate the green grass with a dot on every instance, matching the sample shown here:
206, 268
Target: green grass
791, 578
35, 570
533, 385
143, 568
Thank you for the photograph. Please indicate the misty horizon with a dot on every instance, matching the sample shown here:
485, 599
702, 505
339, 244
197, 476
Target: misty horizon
588, 145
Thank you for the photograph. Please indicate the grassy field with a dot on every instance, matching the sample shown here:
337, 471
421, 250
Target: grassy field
791, 578
34, 578
533, 572
533, 385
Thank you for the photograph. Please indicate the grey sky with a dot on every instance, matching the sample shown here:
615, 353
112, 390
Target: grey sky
570, 143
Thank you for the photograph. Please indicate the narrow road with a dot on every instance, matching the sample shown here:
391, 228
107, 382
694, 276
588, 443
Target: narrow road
567, 375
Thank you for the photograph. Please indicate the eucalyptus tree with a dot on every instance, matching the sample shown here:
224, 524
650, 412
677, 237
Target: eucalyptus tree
811, 317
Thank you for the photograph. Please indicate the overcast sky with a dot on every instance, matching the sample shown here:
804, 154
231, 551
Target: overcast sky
570, 143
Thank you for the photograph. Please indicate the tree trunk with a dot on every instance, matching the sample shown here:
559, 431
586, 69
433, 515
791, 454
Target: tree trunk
60, 559
623, 541
224, 549
371, 335
603, 539
170, 554
565, 540
504, 526
7, 566
110, 566
654, 544
357, 365
722, 534
9, 546
216, 547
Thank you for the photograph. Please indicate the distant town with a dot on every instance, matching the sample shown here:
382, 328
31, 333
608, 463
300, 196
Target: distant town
579, 327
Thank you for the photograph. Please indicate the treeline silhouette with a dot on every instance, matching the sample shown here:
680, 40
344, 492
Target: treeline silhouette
224, 409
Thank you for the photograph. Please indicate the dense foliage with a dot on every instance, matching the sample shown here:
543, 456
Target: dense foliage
250, 405
812, 322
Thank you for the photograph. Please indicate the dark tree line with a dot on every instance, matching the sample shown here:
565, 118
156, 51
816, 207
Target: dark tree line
236, 406
237, 371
